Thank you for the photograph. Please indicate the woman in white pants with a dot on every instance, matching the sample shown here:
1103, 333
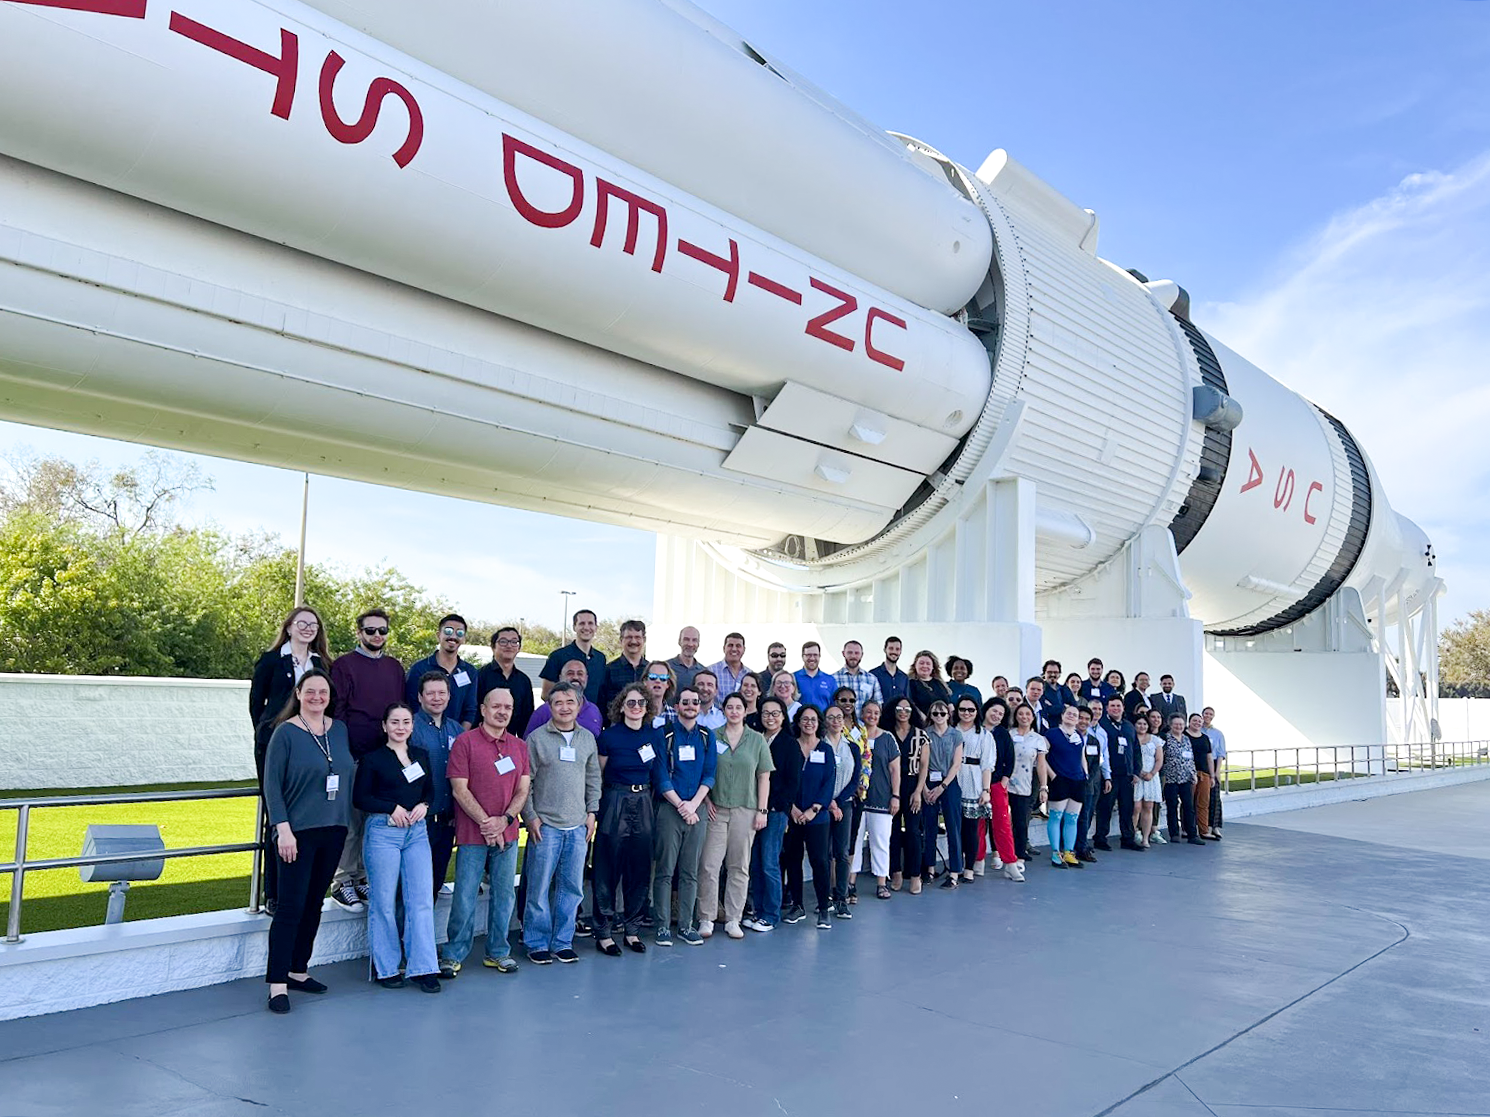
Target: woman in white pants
882, 800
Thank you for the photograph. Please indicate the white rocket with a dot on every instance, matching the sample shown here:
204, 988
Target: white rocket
608, 260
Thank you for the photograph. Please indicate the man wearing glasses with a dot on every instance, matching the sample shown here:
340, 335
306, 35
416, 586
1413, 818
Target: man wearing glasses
628, 667
446, 659
775, 661
503, 673
689, 766
364, 683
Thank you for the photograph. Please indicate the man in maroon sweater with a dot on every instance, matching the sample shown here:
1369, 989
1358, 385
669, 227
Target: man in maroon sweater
363, 684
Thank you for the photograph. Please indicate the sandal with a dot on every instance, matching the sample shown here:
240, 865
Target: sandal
882, 893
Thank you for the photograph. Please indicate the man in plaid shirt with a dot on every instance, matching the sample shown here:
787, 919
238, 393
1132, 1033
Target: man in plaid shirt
865, 686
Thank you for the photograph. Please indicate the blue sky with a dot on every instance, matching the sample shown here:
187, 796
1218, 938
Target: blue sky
1316, 175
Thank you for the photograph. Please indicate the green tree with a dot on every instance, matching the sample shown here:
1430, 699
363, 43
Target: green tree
1464, 657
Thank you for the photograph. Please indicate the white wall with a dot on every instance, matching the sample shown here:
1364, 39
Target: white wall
1286, 700
91, 731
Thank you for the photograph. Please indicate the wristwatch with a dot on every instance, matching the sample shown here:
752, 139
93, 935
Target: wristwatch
509, 818
762, 810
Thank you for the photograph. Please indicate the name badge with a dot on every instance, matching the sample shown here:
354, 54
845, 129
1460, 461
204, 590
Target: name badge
1092, 750
934, 777
505, 764
721, 747
647, 753
333, 785
686, 752
413, 772
815, 758
461, 678
566, 752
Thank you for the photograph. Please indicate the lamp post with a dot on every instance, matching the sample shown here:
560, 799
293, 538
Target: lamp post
564, 596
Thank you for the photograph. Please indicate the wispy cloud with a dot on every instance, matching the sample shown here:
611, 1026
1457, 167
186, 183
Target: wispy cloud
1383, 318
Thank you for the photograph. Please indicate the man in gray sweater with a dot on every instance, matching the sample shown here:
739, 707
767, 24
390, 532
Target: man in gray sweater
560, 815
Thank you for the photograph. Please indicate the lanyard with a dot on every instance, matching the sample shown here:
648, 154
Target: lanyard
325, 748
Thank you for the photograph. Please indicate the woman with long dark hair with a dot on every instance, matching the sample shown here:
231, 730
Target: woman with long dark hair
905, 835
808, 831
308, 772
1027, 743
998, 779
631, 751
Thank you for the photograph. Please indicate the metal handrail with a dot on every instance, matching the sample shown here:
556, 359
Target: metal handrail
1373, 761
20, 866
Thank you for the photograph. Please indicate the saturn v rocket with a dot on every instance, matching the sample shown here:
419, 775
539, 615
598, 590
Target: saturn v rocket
611, 261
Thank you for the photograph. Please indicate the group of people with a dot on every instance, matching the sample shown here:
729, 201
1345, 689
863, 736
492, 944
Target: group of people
669, 777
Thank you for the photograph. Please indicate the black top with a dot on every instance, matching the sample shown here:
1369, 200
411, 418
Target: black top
490, 677
618, 674
1131, 701
1201, 746
909, 768
786, 754
382, 785
1124, 761
594, 664
923, 694
1003, 743
273, 682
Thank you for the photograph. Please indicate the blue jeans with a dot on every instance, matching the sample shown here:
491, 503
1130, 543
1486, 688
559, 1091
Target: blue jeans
470, 863
393, 853
557, 861
765, 869
949, 806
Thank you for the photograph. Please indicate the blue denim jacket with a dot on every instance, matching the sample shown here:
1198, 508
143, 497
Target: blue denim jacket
436, 741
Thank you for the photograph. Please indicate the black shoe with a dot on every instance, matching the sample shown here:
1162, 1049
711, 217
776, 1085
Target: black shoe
648, 922
840, 910
427, 982
1103, 846
279, 1004
582, 928
794, 914
309, 985
950, 882
823, 922
1088, 856
540, 957
610, 951
1195, 841
635, 945
270, 906
394, 982
449, 971
566, 955
1130, 844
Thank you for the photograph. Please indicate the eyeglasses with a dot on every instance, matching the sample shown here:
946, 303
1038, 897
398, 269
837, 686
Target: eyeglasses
845, 699
658, 679
771, 712
307, 624
635, 703
688, 702
380, 630
456, 632
508, 641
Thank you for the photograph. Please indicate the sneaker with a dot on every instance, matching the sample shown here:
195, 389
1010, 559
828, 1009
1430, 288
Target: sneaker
664, 937
732, 929
751, 923
794, 914
1014, 873
823, 922
396, 981
763, 927
705, 928
1159, 839
449, 971
1088, 856
364, 891
540, 957
582, 928
427, 983
566, 956
447, 889
1056, 860
504, 964
840, 910
690, 936
1070, 858
345, 897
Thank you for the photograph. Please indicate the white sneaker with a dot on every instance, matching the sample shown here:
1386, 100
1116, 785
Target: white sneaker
996, 863
705, 928
448, 888
1014, 873
732, 929
1159, 838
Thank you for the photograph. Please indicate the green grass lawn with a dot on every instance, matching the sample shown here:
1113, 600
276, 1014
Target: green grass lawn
57, 898
1240, 779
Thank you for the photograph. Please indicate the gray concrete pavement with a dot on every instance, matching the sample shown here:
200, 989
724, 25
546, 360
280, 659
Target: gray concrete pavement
1293, 969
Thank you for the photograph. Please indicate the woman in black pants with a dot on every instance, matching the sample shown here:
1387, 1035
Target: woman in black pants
808, 828
308, 773
299, 647
631, 771
905, 835
1178, 774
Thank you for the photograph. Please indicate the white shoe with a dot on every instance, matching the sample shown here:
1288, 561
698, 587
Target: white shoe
978, 867
1014, 873
732, 929
448, 888
996, 863
705, 928
1159, 838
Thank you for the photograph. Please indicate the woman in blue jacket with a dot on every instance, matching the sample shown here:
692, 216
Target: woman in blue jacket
808, 829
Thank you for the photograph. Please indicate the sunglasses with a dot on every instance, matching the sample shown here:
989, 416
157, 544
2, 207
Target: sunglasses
381, 630
457, 632
657, 678
635, 703
688, 702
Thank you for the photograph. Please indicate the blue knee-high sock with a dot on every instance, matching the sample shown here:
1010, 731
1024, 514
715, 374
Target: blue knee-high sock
1071, 819
1053, 831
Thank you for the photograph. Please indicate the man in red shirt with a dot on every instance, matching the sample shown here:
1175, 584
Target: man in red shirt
489, 779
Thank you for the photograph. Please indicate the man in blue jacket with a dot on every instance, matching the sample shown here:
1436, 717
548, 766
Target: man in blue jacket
689, 765
1123, 758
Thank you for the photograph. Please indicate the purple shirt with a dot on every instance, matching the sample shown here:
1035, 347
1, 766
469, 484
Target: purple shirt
589, 717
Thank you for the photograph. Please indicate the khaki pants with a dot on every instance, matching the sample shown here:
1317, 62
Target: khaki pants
728, 843
1203, 802
350, 869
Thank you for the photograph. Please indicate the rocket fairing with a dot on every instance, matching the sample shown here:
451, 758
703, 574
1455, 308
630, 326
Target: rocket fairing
623, 267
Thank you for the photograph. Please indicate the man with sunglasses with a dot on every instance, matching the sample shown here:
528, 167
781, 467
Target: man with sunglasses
689, 768
450, 634
364, 683
775, 661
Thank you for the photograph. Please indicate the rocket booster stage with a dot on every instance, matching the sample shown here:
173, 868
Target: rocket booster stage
717, 303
